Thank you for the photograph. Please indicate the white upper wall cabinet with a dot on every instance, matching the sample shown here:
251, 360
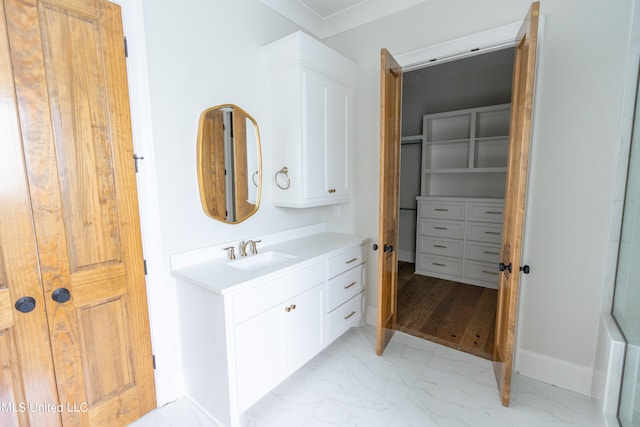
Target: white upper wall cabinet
311, 102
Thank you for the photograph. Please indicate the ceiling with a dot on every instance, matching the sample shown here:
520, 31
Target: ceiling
325, 18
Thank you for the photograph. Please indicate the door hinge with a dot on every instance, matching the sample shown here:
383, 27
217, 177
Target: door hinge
126, 48
144, 263
135, 159
154, 360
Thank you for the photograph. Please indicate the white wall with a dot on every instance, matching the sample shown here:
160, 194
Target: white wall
581, 74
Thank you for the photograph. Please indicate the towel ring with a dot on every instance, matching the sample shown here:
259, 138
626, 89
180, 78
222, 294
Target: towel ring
282, 178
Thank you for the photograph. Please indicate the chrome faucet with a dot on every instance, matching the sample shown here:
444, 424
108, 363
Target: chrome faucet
250, 243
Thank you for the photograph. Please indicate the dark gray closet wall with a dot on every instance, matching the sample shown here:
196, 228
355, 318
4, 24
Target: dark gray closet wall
466, 83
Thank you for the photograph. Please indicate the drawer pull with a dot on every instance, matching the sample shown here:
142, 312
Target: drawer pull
289, 308
493, 213
440, 246
350, 285
440, 228
441, 210
490, 253
495, 233
438, 264
490, 272
350, 315
351, 260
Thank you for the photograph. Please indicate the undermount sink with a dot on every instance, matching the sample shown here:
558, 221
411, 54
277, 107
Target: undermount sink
260, 261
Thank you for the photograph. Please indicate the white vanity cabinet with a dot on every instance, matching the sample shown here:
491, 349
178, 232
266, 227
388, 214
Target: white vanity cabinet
276, 342
241, 340
310, 91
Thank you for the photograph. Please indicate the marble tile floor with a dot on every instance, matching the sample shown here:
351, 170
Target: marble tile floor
415, 383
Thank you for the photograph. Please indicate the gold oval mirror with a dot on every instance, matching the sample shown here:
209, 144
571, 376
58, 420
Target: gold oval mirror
229, 163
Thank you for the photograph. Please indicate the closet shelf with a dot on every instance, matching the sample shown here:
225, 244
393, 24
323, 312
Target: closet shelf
467, 170
449, 141
411, 138
490, 138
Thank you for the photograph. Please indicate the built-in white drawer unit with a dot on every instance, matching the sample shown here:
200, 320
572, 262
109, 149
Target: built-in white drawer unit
459, 239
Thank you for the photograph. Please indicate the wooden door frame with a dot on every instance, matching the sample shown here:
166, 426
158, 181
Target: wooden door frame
475, 44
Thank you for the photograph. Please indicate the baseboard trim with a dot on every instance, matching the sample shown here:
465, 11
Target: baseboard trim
371, 316
558, 372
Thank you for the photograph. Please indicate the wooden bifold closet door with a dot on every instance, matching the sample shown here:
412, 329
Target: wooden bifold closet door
74, 329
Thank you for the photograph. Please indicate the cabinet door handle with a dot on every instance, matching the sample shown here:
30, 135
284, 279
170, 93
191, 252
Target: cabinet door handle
441, 210
440, 228
440, 246
490, 272
351, 260
438, 264
495, 233
490, 253
350, 315
350, 285
493, 212
289, 308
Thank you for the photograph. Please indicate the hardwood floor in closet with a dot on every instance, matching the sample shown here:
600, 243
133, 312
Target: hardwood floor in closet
454, 314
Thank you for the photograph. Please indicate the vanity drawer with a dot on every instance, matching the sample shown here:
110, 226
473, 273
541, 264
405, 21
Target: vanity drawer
482, 271
441, 210
487, 252
344, 317
441, 228
441, 265
483, 232
443, 247
253, 301
345, 261
344, 286
485, 212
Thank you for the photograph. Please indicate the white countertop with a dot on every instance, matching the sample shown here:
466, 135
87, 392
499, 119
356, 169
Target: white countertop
218, 276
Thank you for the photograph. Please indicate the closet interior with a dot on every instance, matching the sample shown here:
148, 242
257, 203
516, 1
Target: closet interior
454, 147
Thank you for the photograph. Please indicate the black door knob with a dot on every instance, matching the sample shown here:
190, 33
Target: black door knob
525, 269
61, 295
375, 246
25, 304
388, 248
503, 267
